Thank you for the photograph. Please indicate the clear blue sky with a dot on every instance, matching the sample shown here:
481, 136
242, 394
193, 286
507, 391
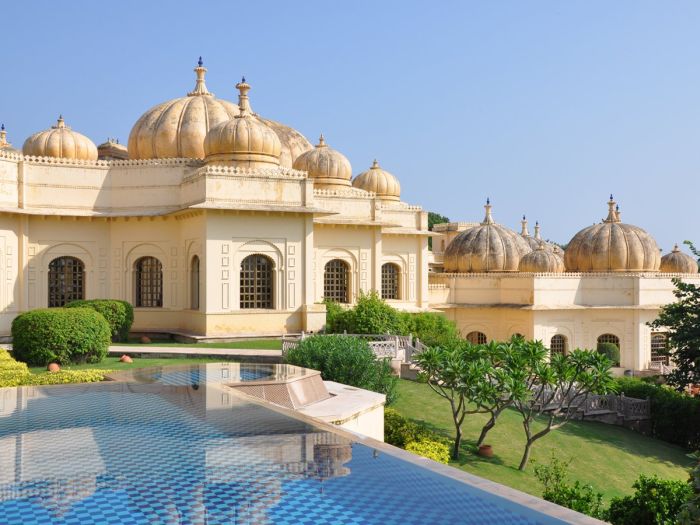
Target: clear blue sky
545, 106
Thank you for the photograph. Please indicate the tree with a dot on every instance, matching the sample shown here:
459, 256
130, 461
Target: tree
551, 391
682, 323
694, 250
433, 219
458, 373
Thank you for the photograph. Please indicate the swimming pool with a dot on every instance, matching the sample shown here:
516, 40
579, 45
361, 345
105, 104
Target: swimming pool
164, 451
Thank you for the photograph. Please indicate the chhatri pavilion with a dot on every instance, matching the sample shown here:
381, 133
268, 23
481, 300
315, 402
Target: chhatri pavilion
214, 221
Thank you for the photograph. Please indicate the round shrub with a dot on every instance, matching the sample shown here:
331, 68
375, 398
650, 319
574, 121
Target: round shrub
119, 315
430, 449
611, 351
61, 335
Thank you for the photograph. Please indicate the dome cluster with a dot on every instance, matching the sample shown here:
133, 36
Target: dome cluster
611, 246
204, 127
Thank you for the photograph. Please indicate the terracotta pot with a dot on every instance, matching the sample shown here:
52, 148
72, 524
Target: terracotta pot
486, 451
53, 367
126, 359
145, 340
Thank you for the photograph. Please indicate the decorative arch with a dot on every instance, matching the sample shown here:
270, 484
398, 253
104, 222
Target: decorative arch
148, 282
275, 255
477, 338
559, 344
257, 282
658, 349
336, 281
391, 281
66, 280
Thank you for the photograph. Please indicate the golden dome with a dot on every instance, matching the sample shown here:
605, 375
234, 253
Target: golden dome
328, 167
177, 128
62, 142
542, 260
612, 246
4, 145
112, 150
381, 182
242, 140
488, 247
678, 262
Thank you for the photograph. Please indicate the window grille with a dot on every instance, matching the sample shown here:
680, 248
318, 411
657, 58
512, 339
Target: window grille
66, 281
148, 278
558, 345
390, 281
477, 338
256, 282
335, 281
658, 348
194, 283
609, 338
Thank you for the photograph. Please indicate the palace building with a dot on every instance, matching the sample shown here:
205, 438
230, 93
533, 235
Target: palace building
213, 221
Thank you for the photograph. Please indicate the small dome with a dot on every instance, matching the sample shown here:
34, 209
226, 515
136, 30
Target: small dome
612, 246
4, 145
678, 262
328, 167
542, 260
243, 140
381, 182
488, 247
112, 150
62, 142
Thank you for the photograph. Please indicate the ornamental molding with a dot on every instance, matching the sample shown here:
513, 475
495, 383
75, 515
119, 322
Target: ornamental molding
345, 192
226, 172
579, 275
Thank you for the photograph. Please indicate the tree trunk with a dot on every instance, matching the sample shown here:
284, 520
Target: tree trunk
458, 442
488, 426
526, 455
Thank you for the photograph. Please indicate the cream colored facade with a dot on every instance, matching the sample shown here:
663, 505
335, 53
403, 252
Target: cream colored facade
243, 198
574, 308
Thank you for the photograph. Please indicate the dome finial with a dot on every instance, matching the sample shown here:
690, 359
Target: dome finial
524, 231
3, 136
375, 165
200, 87
537, 231
243, 102
487, 218
60, 123
613, 215
321, 142
676, 249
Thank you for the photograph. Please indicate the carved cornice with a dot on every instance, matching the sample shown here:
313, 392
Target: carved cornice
345, 192
566, 275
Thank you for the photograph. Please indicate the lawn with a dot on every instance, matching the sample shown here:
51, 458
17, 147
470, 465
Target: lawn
253, 344
608, 457
113, 363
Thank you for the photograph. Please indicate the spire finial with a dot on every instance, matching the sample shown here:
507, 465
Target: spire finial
321, 142
60, 123
3, 136
487, 218
243, 101
524, 231
375, 164
200, 88
537, 231
676, 249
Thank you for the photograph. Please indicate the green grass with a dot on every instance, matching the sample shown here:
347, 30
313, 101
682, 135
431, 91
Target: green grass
608, 457
253, 344
112, 363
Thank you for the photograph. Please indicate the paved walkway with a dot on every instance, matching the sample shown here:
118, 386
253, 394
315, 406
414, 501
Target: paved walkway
272, 356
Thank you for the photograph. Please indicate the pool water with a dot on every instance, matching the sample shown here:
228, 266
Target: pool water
194, 452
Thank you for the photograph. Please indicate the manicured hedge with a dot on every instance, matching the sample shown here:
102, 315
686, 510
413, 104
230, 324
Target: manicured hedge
60, 335
414, 437
119, 315
675, 416
14, 373
611, 351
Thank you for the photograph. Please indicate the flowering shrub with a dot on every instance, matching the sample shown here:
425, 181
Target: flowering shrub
430, 449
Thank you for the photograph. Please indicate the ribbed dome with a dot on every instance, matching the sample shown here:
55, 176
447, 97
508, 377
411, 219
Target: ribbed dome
678, 262
112, 150
612, 246
488, 247
4, 145
329, 168
542, 260
177, 128
379, 181
243, 140
62, 142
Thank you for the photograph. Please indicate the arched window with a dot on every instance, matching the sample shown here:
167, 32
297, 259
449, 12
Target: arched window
66, 281
390, 281
148, 281
194, 283
256, 282
658, 349
476, 338
336, 281
610, 339
558, 345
